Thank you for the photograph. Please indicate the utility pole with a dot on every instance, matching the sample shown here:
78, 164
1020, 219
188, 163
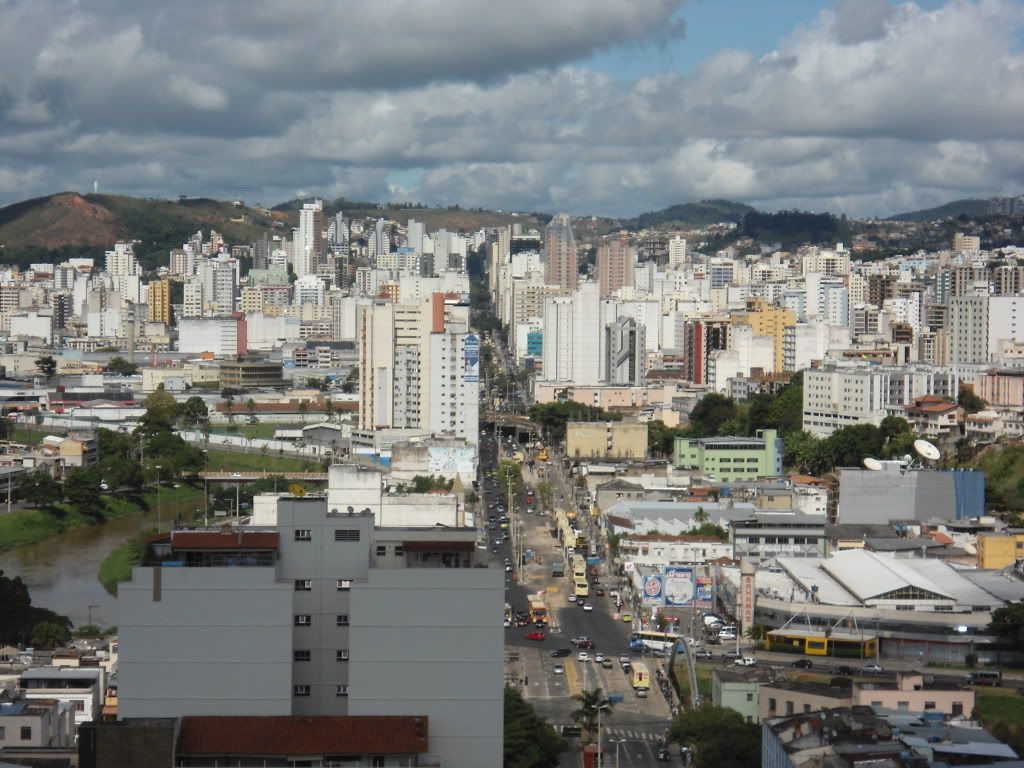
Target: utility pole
158, 498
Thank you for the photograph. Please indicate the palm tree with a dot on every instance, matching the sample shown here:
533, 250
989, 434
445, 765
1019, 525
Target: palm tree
701, 516
591, 703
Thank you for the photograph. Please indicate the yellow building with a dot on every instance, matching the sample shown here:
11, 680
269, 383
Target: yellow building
160, 301
767, 320
999, 550
606, 440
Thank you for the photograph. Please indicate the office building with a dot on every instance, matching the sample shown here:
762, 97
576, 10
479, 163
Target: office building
616, 263
307, 243
728, 459
321, 615
250, 374
624, 352
677, 252
606, 440
159, 301
561, 265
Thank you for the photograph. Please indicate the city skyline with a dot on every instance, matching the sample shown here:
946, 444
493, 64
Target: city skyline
855, 107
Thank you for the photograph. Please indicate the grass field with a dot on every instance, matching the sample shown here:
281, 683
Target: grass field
251, 431
30, 436
995, 705
117, 566
259, 462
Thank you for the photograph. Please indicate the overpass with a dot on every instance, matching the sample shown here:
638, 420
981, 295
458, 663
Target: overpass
252, 477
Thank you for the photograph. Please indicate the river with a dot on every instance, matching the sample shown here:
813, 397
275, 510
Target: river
60, 571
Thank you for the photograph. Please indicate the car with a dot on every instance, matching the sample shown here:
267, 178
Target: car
627, 618
624, 659
535, 635
583, 656
663, 755
507, 623
844, 670
579, 639
872, 669
703, 655
561, 652
508, 569
522, 622
641, 693
588, 607
572, 598
802, 664
558, 669
585, 644
607, 664
599, 592
581, 603
540, 623
598, 657
732, 653
745, 661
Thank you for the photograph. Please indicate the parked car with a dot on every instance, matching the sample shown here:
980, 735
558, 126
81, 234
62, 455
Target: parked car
703, 655
745, 661
534, 635
872, 669
802, 664
628, 618
732, 653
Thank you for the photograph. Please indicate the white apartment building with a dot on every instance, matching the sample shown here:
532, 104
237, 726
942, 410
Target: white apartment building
677, 252
309, 289
1005, 322
307, 242
968, 329
321, 614
454, 385
573, 338
805, 343
219, 336
121, 260
746, 351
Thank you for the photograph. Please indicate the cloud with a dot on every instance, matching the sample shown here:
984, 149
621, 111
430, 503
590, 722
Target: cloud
868, 108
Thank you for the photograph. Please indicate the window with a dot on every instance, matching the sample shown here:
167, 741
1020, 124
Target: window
929, 705
79, 705
807, 708
303, 620
344, 585
789, 707
958, 708
300, 690
302, 655
303, 585
903, 706
346, 534
303, 534
342, 690
342, 655
342, 619
3, 732
382, 550
378, 762
399, 551
750, 697
26, 733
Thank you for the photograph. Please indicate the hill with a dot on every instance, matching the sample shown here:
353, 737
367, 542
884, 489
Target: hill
453, 218
69, 224
968, 207
691, 215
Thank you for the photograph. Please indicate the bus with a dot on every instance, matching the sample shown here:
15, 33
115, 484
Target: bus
557, 569
538, 611
984, 677
641, 676
652, 641
579, 568
582, 588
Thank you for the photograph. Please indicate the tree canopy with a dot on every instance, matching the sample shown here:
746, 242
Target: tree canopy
19, 618
718, 736
554, 417
122, 367
530, 742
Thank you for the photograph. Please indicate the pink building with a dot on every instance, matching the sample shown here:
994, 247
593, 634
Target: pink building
1000, 387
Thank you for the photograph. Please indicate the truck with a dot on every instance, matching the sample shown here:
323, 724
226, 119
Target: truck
542, 454
641, 676
558, 568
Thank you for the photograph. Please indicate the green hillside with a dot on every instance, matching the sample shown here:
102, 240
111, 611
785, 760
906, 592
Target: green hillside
969, 207
687, 215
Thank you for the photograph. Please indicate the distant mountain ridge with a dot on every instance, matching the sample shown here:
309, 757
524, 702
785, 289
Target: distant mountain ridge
701, 214
967, 207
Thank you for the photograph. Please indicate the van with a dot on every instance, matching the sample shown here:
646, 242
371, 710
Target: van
991, 677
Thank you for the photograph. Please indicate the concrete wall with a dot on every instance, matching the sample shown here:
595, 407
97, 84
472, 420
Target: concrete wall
877, 497
208, 641
430, 642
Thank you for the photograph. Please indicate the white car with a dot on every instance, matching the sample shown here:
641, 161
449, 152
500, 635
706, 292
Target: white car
598, 657
583, 656
588, 607
507, 623
558, 669
745, 661
572, 598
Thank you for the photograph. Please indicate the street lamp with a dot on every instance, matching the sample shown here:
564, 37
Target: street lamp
618, 743
206, 487
600, 744
158, 498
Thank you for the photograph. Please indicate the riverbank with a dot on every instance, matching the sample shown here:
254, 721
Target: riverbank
117, 566
28, 526
257, 461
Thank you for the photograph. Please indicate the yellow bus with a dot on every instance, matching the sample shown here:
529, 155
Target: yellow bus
538, 611
641, 676
582, 588
579, 568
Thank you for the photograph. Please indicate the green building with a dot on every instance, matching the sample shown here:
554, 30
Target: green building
728, 459
737, 689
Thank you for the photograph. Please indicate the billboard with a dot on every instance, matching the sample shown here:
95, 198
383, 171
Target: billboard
679, 586
472, 351
653, 590
705, 586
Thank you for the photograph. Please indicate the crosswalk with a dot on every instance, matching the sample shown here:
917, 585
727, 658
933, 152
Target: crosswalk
633, 735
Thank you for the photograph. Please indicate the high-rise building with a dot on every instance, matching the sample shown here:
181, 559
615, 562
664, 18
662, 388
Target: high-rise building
624, 352
616, 264
382, 241
159, 301
768, 320
308, 290
966, 243
414, 235
968, 329
308, 242
677, 252
121, 260
561, 265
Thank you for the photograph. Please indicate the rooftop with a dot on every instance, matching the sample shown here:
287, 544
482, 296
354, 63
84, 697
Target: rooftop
224, 539
298, 735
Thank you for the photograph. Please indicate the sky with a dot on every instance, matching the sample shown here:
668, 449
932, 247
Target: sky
606, 107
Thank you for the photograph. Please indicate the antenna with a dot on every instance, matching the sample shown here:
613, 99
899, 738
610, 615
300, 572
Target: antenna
873, 464
927, 450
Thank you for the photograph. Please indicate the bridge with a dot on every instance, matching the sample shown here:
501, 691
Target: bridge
508, 420
252, 477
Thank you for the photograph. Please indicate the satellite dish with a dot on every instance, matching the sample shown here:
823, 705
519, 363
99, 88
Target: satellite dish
873, 464
926, 450
907, 460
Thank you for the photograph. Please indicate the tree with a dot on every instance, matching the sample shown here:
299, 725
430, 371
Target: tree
17, 610
718, 736
303, 409
508, 472
970, 402
351, 383
701, 516
194, 411
82, 489
710, 529
38, 489
250, 406
161, 412
546, 494
47, 366
554, 417
661, 439
802, 452
1008, 624
530, 742
122, 367
710, 414
591, 702
849, 446
49, 635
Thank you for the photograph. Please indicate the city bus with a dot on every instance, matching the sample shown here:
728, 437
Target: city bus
582, 588
652, 641
579, 568
641, 676
538, 611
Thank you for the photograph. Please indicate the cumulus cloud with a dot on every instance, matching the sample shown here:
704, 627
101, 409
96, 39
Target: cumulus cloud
870, 107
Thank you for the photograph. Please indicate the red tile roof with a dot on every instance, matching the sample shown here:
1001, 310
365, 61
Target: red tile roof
224, 540
297, 735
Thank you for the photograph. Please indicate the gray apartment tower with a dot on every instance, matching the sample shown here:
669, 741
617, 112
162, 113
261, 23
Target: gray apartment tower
322, 614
